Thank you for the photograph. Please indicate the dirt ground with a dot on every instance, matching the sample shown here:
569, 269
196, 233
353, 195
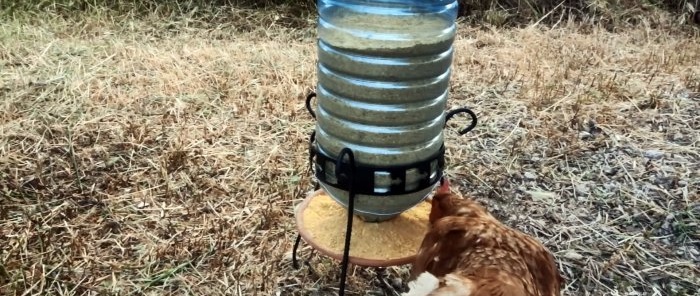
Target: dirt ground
158, 157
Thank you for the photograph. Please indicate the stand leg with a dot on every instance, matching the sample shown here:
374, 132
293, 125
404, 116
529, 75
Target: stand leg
295, 261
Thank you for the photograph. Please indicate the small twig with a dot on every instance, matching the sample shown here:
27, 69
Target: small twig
74, 163
546, 15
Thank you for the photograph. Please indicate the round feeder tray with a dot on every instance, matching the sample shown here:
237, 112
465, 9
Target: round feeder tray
373, 244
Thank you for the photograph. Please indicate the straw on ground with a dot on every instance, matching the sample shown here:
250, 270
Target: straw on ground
149, 155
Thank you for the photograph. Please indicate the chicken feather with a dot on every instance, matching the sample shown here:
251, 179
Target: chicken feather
471, 253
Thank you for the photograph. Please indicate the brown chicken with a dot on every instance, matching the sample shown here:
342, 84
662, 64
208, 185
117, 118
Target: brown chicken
467, 252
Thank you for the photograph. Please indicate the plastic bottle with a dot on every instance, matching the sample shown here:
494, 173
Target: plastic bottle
383, 75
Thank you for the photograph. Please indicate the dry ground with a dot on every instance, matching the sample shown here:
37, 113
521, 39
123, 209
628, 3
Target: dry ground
148, 156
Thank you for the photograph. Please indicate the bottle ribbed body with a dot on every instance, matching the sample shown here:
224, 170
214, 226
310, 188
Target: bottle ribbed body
383, 74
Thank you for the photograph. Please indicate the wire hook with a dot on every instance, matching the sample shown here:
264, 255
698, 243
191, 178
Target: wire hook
471, 126
308, 104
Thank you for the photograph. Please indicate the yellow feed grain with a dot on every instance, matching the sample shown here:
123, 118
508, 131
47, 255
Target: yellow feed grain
325, 220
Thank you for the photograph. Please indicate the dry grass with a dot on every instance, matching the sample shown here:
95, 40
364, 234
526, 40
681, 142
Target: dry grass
142, 156
610, 14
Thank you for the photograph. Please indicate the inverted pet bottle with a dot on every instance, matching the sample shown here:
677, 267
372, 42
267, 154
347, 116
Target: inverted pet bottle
383, 75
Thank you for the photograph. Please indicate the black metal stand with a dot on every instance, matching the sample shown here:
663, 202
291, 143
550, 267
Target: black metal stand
340, 173
346, 174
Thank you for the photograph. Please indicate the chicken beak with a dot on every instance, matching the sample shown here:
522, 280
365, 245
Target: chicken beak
444, 186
